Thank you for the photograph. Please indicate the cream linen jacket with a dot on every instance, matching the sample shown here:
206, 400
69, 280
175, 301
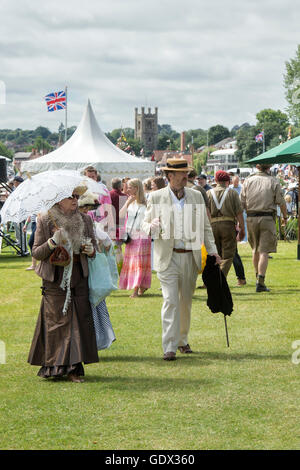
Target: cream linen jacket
196, 227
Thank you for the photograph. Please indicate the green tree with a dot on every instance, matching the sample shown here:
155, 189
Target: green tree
203, 156
42, 131
42, 145
163, 142
274, 123
197, 163
275, 126
247, 147
197, 137
10, 136
21, 139
217, 133
61, 128
236, 128
5, 152
166, 129
116, 133
292, 86
70, 132
135, 146
277, 118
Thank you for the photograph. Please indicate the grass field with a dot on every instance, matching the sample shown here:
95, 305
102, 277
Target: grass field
242, 397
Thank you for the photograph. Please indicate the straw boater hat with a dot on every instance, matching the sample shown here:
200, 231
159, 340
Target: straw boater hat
80, 189
88, 199
177, 164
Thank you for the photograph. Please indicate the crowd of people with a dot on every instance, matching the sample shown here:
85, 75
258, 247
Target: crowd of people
161, 224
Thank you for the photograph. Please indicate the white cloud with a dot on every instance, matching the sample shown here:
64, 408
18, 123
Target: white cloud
201, 63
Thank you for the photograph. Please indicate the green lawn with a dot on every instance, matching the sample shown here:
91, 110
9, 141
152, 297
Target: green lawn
242, 397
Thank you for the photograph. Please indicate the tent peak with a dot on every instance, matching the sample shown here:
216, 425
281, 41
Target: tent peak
90, 146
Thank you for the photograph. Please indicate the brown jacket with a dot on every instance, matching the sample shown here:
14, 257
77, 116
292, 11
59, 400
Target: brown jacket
261, 192
42, 252
232, 205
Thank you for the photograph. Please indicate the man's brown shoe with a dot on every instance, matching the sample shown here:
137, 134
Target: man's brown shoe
169, 356
241, 282
185, 349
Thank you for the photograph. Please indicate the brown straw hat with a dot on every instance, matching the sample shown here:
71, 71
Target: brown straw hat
177, 164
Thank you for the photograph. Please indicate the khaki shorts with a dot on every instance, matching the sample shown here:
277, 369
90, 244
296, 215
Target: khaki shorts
262, 234
225, 238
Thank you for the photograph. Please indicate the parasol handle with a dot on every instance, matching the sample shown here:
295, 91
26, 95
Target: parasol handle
55, 224
53, 220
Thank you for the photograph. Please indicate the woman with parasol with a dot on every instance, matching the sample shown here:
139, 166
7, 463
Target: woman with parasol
64, 337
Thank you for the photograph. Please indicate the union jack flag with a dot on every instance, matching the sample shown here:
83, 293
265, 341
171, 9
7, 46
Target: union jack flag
56, 101
259, 137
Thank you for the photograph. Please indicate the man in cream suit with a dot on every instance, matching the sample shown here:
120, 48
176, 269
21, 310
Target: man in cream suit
177, 220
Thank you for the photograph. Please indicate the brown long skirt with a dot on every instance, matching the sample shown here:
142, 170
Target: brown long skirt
62, 342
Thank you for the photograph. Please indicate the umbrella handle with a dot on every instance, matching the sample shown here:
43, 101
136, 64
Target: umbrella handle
55, 224
226, 330
227, 337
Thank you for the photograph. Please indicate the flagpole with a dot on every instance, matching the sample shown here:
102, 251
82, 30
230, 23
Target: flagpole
192, 151
66, 119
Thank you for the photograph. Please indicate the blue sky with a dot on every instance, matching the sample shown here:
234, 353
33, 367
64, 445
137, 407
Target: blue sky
201, 63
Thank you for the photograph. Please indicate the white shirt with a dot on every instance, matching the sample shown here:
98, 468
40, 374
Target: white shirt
134, 223
178, 220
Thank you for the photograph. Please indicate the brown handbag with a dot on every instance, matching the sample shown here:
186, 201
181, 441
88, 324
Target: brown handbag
60, 257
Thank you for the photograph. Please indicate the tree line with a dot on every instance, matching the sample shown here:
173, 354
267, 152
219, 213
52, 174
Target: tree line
276, 125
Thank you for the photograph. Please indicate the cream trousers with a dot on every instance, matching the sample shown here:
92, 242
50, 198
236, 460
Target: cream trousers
178, 283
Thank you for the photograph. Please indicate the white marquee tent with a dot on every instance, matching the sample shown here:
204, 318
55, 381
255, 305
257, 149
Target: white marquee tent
90, 146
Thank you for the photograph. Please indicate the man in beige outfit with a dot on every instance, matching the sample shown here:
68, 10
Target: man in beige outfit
177, 220
261, 193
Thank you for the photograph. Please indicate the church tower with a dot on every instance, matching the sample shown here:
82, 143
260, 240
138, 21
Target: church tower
146, 129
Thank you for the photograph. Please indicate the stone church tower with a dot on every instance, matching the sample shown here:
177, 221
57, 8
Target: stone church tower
146, 129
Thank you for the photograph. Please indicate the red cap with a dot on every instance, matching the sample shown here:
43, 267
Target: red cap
222, 176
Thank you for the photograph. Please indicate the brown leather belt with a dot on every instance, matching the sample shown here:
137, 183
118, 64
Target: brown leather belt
222, 218
260, 214
179, 250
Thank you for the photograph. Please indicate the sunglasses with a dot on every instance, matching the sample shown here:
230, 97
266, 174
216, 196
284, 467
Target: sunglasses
74, 196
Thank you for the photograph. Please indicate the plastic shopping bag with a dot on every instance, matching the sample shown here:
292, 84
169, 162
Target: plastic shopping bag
111, 259
100, 279
119, 256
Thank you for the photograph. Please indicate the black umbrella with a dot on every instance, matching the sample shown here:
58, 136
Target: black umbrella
219, 297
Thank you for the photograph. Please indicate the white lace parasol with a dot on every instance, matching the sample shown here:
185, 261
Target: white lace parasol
40, 192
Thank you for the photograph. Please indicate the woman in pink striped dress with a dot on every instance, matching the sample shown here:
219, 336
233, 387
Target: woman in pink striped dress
136, 269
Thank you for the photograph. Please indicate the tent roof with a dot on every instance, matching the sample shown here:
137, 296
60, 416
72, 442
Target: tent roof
90, 146
242, 170
223, 152
288, 152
